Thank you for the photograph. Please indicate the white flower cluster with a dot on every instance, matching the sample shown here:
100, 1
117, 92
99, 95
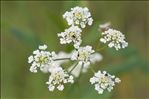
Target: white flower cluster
103, 81
47, 62
73, 34
78, 16
95, 57
114, 38
57, 78
41, 58
82, 56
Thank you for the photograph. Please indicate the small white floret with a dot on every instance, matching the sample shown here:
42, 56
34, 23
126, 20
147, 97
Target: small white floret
114, 39
78, 16
103, 81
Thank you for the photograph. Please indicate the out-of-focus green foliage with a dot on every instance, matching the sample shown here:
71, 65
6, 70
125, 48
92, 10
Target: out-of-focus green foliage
26, 24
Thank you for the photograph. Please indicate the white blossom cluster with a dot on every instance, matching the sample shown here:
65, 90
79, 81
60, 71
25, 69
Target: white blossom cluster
41, 59
114, 39
47, 62
58, 78
95, 57
103, 80
78, 16
73, 34
82, 56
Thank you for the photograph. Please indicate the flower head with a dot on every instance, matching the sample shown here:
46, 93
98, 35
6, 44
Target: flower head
82, 55
73, 34
95, 57
58, 78
114, 39
103, 81
78, 16
41, 58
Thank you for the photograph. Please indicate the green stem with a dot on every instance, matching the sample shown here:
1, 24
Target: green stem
81, 68
92, 69
102, 48
61, 59
97, 42
80, 71
73, 67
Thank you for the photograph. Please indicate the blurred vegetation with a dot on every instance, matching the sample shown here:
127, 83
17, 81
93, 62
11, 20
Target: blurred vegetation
26, 24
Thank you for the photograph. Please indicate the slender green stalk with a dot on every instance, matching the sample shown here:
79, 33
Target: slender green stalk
61, 59
92, 69
80, 73
81, 68
73, 67
97, 42
102, 48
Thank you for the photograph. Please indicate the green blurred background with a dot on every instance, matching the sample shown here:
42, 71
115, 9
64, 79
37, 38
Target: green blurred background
26, 24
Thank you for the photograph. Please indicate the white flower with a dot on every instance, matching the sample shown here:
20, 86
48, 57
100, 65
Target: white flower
43, 47
78, 16
30, 59
51, 87
100, 90
117, 80
60, 87
58, 78
84, 56
103, 81
95, 57
72, 34
42, 59
114, 38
